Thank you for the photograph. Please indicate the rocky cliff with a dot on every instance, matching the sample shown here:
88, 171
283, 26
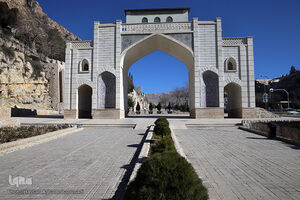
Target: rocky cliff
31, 13
32, 49
25, 81
138, 97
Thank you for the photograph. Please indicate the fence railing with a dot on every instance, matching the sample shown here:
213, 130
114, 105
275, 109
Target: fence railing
157, 27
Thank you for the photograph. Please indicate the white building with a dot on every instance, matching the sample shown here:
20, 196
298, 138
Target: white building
96, 71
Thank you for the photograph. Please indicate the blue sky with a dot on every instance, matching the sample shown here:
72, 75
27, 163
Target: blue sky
274, 24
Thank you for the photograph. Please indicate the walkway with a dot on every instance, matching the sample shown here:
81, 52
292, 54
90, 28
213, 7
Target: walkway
235, 164
91, 162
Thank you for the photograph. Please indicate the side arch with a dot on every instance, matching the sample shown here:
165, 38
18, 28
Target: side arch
233, 102
85, 101
106, 90
211, 89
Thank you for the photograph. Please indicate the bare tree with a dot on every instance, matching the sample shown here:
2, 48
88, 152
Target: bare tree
164, 100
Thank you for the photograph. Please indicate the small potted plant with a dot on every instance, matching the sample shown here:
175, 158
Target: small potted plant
150, 108
138, 109
158, 108
169, 108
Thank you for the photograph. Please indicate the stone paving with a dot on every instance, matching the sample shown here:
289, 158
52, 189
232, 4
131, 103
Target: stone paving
235, 164
91, 162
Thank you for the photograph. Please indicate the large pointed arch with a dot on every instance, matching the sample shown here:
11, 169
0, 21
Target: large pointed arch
158, 42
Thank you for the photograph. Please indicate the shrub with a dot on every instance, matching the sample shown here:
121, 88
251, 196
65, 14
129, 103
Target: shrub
11, 134
161, 120
8, 17
162, 129
37, 68
138, 107
130, 102
169, 106
8, 51
150, 106
166, 176
158, 106
164, 144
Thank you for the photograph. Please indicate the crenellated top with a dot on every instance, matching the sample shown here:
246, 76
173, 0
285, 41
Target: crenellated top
81, 44
142, 28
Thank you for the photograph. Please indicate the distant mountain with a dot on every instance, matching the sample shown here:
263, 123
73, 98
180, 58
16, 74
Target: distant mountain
155, 97
178, 96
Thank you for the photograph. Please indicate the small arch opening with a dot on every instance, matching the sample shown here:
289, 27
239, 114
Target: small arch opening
156, 19
145, 20
169, 19
231, 64
85, 66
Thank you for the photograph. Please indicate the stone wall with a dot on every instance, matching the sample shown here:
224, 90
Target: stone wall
287, 130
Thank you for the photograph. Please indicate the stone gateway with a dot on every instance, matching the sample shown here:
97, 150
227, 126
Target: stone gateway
221, 70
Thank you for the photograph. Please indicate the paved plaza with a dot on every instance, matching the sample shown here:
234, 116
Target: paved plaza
235, 164
97, 162
91, 162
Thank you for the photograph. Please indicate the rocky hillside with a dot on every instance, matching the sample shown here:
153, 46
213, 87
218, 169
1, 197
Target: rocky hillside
32, 49
25, 81
35, 29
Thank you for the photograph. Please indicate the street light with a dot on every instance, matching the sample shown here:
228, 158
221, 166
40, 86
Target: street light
272, 90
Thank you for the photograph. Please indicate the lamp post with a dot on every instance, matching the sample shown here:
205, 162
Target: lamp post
272, 90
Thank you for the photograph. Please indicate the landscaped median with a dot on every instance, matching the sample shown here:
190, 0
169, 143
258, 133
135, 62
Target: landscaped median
165, 174
12, 139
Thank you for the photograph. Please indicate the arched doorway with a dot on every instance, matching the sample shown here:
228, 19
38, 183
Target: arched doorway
84, 101
106, 90
211, 92
233, 100
166, 44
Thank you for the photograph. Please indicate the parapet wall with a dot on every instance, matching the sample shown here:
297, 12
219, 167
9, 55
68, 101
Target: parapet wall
287, 130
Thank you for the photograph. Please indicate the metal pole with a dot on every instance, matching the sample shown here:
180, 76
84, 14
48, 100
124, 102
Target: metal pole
288, 97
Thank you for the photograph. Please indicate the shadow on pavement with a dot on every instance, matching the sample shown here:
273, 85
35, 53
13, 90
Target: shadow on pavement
129, 168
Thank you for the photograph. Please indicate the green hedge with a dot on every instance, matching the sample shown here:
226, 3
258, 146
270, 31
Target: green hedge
166, 176
163, 145
161, 120
162, 129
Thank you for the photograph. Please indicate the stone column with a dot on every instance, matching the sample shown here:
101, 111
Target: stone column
68, 83
195, 85
119, 71
220, 64
251, 86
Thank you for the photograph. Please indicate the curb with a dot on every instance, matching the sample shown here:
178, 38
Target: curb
31, 141
143, 154
178, 147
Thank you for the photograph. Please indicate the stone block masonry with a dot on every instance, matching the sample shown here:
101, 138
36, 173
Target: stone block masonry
217, 66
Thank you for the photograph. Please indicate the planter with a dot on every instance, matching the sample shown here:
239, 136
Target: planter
170, 112
158, 112
150, 112
138, 112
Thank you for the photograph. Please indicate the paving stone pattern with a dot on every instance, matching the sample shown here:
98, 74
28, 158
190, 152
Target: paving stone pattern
92, 160
235, 164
